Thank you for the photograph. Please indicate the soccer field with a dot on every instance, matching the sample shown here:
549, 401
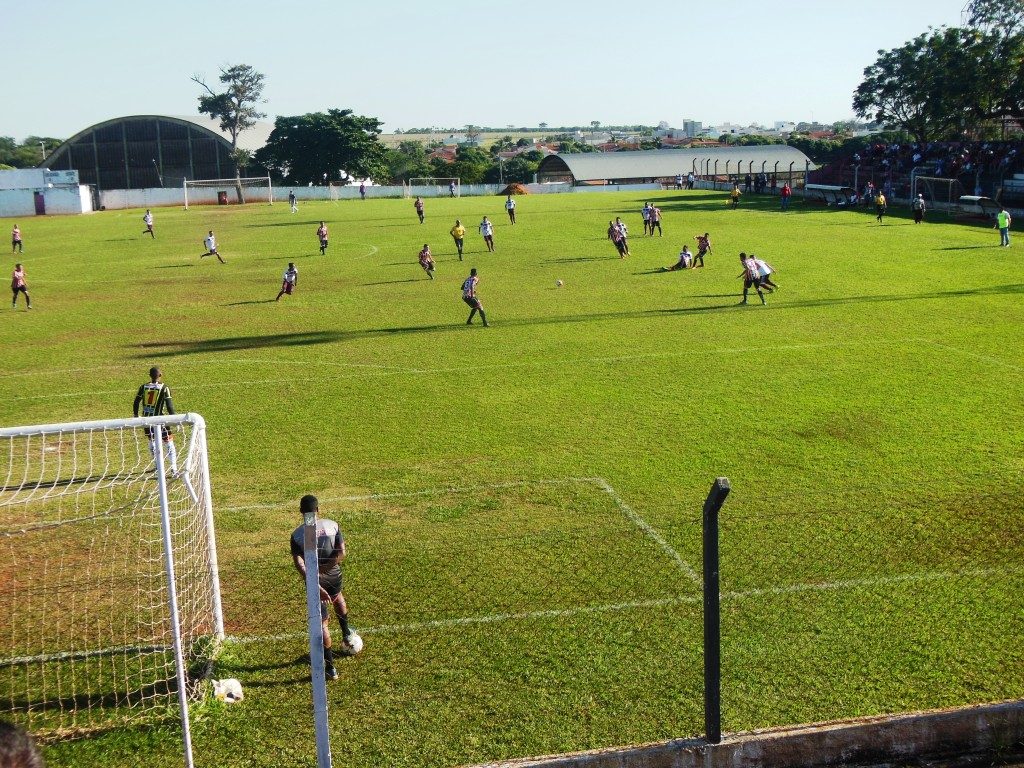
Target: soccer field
522, 503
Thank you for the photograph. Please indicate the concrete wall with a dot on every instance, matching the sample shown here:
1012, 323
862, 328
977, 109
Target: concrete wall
23, 178
17, 203
995, 730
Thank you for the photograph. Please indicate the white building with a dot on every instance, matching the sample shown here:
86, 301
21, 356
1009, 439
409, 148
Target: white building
38, 191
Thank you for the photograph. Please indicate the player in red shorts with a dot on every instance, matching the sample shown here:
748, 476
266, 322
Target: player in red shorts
289, 281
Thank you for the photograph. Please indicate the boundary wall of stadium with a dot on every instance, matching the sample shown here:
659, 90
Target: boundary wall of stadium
987, 732
118, 199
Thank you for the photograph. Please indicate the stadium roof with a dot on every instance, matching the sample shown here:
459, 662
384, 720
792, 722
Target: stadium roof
666, 163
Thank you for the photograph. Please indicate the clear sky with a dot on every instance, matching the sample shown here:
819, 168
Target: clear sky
70, 63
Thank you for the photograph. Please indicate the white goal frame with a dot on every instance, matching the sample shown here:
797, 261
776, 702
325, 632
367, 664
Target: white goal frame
257, 182
948, 202
432, 186
40, 480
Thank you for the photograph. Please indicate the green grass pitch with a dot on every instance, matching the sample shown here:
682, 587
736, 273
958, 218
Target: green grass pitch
522, 502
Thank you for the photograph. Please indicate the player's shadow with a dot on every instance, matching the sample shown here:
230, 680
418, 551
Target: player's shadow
580, 259
172, 266
292, 223
253, 301
390, 282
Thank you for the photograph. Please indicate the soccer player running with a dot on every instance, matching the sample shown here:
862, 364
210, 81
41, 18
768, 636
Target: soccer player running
211, 248
321, 235
289, 281
330, 551
750, 277
469, 296
458, 233
487, 230
765, 272
155, 398
148, 221
16, 243
427, 261
703, 248
624, 234
510, 208
18, 285
418, 205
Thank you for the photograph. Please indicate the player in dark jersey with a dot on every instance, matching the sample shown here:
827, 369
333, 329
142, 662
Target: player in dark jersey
330, 546
154, 397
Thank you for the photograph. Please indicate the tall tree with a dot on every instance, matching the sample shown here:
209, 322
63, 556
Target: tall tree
334, 145
1002, 17
942, 84
236, 106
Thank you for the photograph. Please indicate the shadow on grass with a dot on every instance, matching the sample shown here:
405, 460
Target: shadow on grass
291, 223
390, 282
254, 301
173, 266
965, 247
580, 259
301, 339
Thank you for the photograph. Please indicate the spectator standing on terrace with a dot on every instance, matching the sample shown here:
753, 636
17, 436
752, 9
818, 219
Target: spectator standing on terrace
679, 181
918, 208
690, 180
787, 193
747, 183
1003, 222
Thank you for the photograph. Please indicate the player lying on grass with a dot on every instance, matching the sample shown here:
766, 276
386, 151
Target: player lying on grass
685, 261
330, 551
427, 261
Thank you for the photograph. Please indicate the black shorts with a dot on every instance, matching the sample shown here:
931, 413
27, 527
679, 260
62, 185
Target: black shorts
19, 289
458, 242
472, 301
331, 582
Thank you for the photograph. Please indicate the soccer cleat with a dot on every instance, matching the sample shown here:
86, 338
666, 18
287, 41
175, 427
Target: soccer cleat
331, 673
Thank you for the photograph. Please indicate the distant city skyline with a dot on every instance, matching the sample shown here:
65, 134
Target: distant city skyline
458, 64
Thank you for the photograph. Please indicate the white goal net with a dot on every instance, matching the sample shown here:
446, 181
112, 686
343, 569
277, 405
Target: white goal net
256, 189
433, 186
940, 194
108, 573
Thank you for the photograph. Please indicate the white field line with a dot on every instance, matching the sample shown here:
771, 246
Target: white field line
665, 602
649, 530
442, 491
975, 355
362, 369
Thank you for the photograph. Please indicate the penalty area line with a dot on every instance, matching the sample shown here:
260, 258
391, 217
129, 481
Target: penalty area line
664, 602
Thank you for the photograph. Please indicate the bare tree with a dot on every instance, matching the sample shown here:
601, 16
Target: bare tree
236, 107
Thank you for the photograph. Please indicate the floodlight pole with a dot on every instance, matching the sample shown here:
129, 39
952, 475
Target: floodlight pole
316, 638
712, 614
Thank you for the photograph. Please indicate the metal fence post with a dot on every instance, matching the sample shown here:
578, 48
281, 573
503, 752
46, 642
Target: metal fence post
712, 614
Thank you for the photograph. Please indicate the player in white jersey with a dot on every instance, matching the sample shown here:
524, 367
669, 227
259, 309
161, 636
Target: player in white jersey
765, 272
288, 281
510, 207
211, 248
469, 296
148, 221
154, 397
427, 261
487, 230
751, 278
645, 212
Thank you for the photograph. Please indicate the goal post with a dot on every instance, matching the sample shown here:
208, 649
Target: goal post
433, 186
258, 189
941, 194
109, 582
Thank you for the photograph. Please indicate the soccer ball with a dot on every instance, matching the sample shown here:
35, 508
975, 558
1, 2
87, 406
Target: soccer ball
352, 645
558, 283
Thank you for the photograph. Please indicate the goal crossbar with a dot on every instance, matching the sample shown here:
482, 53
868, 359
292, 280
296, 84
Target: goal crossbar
252, 182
